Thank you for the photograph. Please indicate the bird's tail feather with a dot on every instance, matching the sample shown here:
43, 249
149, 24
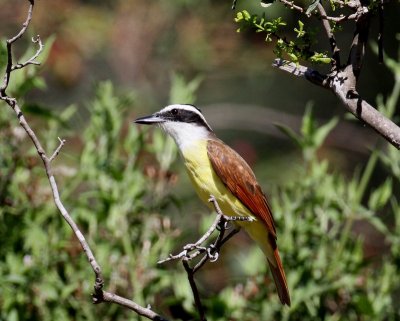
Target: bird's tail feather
280, 279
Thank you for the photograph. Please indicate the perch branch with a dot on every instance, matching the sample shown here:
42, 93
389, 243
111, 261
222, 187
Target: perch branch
211, 252
220, 223
99, 295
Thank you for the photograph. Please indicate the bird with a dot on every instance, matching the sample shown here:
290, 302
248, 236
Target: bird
216, 169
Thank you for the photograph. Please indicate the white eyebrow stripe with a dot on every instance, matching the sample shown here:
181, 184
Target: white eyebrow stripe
185, 107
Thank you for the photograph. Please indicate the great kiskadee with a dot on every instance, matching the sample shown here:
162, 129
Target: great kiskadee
216, 169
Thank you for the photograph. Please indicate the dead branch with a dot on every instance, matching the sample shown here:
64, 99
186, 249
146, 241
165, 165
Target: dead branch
99, 295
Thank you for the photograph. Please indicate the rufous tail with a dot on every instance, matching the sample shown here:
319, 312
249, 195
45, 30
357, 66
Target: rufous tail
280, 279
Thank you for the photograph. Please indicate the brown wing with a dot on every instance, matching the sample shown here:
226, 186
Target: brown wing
237, 175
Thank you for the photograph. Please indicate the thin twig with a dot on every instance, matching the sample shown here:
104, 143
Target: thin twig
146, 312
234, 2
291, 5
332, 40
195, 291
339, 19
322, 16
58, 149
360, 39
10, 42
99, 295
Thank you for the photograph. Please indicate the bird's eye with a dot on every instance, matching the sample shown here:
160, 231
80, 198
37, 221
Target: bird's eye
174, 111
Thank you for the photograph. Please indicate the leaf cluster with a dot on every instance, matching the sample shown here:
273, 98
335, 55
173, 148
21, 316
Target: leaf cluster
300, 47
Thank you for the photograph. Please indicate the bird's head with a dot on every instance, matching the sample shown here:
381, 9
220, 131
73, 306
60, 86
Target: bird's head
184, 123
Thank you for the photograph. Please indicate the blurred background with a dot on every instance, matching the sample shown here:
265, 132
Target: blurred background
333, 183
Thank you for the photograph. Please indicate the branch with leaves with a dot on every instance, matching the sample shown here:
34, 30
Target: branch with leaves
342, 79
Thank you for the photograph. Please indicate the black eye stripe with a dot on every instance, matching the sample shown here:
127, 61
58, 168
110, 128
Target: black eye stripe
185, 116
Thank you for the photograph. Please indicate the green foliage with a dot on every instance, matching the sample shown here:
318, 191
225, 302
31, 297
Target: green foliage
115, 180
299, 48
183, 91
312, 136
103, 182
245, 20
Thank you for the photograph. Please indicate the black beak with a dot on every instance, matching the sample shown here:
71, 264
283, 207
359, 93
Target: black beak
149, 120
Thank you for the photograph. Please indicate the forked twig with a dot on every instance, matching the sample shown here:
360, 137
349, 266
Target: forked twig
32, 60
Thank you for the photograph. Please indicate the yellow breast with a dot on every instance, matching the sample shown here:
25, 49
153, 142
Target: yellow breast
206, 182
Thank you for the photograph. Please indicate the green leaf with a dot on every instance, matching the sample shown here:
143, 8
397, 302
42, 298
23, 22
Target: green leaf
323, 131
307, 126
44, 112
13, 315
182, 90
364, 305
300, 32
381, 195
290, 133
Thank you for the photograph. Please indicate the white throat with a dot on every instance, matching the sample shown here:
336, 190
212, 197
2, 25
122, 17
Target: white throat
185, 134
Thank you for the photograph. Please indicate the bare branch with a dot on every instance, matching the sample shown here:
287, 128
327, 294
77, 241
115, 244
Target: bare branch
291, 5
322, 16
339, 19
360, 38
99, 295
332, 40
10, 42
195, 291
